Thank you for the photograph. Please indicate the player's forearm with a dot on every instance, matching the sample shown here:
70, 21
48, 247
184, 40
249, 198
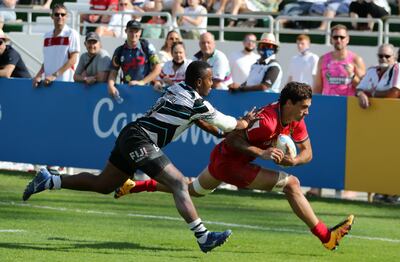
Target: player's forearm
237, 141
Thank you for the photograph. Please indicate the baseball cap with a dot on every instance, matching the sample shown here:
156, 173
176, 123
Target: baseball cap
92, 36
133, 24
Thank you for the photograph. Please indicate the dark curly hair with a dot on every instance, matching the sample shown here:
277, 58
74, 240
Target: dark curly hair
295, 92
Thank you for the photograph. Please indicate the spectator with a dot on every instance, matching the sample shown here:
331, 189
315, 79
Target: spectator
340, 70
136, 58
94, 65
235, 7
117, 21
11, 63
165, 53
334, 8
99, 5
241, 61
368, 8
186, 22
381, 81
266, 74
302, 8
174, 70
60, 51
222, 77
338, 73
303, 66
9, 15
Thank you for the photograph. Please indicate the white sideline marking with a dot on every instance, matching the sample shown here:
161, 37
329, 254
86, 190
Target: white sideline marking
180, 219
11, 230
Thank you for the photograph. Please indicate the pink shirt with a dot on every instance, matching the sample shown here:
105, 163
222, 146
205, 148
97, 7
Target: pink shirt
335, 78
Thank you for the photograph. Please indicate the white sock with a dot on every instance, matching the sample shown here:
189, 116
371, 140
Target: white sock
200, 231
56, 182
53, 183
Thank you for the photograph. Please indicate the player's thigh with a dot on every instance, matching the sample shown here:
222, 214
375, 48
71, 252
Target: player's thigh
171, 177
111, 177
266, 179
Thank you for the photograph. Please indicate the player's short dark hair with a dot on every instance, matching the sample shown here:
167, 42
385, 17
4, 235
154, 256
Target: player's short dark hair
295, 92
195, 70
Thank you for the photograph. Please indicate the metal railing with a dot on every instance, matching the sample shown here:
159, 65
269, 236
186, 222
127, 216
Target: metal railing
280, 19
274, 24
387, 33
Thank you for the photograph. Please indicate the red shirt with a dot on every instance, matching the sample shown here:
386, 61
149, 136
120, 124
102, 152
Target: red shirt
103, 4
265, 131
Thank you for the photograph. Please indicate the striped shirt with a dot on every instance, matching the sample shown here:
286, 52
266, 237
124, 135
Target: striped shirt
176, 111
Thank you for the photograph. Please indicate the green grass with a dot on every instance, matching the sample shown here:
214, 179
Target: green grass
80, 226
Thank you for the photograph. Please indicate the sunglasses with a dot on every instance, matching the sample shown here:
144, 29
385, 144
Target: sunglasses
123, 4
336, 37
59, 14
381, 56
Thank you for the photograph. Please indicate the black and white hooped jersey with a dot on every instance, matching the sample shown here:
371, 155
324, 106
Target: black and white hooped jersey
177, 110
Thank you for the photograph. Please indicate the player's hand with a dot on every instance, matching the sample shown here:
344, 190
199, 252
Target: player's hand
273, 153
252, 116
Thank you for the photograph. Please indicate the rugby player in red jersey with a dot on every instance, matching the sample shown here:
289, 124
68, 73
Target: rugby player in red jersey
231, 161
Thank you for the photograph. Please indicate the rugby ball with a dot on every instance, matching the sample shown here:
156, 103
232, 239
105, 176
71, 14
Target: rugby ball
286, 144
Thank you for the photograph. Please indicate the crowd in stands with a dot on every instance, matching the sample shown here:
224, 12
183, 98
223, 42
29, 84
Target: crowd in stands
254, 68
184, 12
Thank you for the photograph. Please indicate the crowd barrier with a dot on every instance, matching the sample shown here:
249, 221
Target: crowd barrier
70, 124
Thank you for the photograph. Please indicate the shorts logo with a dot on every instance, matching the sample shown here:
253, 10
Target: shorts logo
139, 154
156, 148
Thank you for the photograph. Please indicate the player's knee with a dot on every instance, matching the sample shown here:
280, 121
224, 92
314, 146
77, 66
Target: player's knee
198, 190
292, 185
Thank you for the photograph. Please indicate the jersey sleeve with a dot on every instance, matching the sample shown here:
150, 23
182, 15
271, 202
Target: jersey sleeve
13, 57
262, 130
153, 57
300, 133
205, 111
116, 58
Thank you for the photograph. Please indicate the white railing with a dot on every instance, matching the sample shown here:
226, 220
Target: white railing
388, 22
279, 20
274, 24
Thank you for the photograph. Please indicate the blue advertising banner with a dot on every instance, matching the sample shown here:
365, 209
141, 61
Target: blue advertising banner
71, 124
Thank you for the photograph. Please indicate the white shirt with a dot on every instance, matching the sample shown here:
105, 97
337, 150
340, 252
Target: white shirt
198, 10
168, 71
303, 68
389, 79
258, 72
240, 64
220, 67
117, 24
57, 50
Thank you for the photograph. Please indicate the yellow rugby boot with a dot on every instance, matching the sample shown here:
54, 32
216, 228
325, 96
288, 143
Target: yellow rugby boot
338, 232
124, 189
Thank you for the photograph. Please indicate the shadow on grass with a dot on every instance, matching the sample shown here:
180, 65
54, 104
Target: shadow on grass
74, 245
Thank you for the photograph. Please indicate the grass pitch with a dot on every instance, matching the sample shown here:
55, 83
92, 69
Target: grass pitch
80, 226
